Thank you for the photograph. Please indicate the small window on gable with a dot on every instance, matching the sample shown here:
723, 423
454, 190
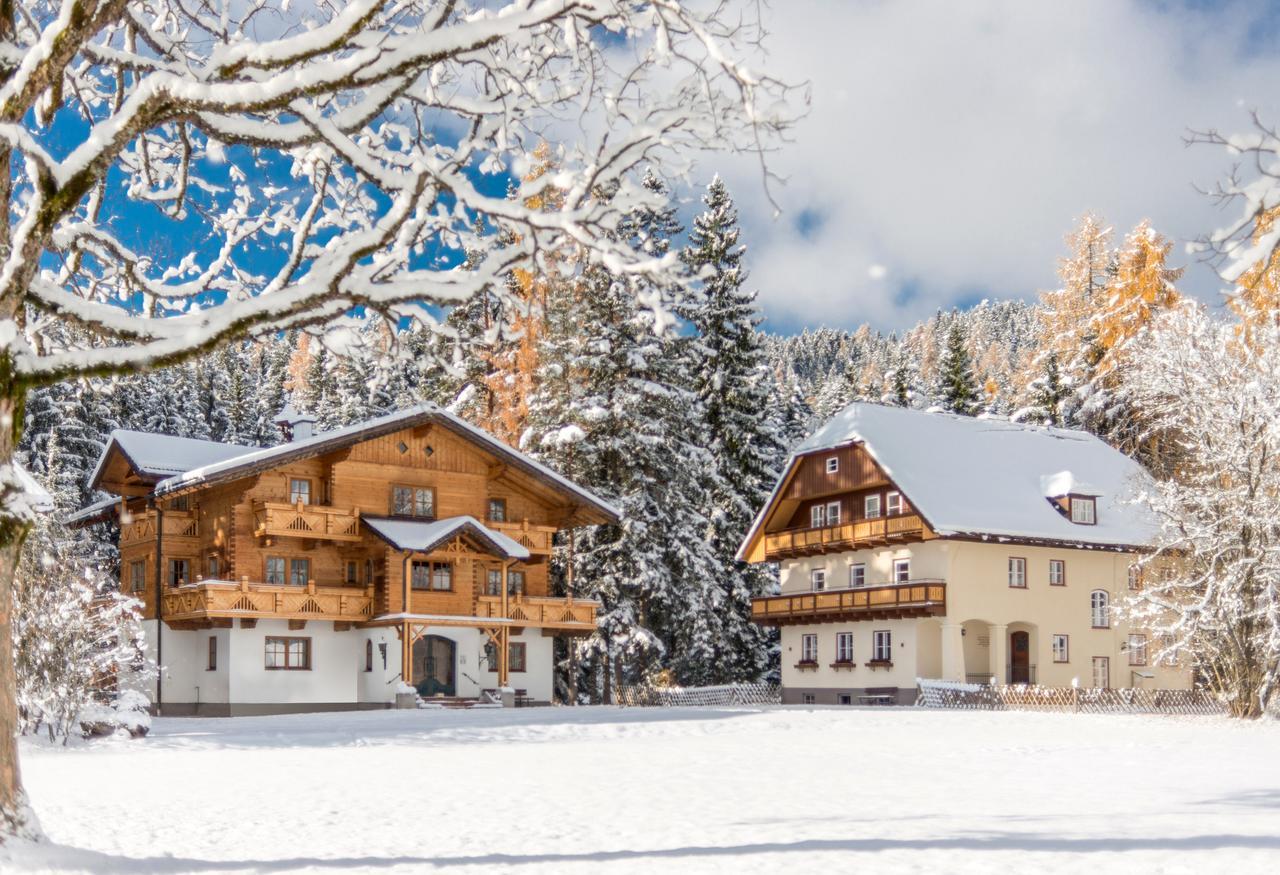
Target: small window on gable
833, 465
817, 516
893, 503
833, 513
1084, 510
871, 507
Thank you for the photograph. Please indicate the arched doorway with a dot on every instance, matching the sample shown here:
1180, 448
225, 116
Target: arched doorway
434, 661
1019, 657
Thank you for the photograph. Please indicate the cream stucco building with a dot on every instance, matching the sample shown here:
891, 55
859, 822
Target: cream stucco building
924, 545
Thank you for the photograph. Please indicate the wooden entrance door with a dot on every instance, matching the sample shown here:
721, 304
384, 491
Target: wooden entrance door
434, 660
1019, 658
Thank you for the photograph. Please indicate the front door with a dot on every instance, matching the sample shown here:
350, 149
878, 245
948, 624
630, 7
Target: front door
1019, 658
433, 661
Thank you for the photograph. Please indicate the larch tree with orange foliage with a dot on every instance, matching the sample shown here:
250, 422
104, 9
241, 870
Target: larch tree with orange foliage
1256, 299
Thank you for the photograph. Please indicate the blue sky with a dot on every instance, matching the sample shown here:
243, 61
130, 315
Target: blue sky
950, 146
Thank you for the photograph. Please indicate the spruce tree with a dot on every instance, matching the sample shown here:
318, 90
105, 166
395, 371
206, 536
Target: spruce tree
959, 393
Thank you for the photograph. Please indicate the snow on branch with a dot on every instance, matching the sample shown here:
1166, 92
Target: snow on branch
183, 174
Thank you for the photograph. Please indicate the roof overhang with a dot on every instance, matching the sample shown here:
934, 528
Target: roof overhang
422, 536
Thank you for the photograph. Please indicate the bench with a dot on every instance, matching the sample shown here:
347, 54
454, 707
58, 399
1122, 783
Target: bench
879, 696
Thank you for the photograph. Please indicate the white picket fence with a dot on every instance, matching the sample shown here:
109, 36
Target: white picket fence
700, 697
1029, 697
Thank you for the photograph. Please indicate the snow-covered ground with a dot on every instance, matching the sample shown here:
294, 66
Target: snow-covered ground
714, 790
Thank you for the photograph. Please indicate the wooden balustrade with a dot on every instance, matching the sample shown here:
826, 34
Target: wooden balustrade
537, 539
142, 526
551, 613
914, 598
216, 599
844, 536
300, 520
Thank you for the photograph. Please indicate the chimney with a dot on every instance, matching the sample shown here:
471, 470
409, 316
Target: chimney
295, 426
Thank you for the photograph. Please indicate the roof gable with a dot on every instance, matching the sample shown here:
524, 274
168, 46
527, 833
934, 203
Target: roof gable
154, 457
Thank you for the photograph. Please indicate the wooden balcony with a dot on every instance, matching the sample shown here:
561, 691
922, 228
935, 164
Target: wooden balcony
570, 615
914, 598
280, 520
846, 536
537, 539
142, 526
219, 599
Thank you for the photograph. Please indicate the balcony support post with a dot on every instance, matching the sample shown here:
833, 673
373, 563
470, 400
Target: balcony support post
952, 652
504, 634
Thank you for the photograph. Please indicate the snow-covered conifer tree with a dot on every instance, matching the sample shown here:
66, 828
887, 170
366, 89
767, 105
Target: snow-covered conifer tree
958, 389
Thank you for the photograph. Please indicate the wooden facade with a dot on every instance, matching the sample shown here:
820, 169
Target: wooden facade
286, 537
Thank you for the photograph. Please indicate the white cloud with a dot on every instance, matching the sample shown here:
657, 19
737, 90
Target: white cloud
950, 146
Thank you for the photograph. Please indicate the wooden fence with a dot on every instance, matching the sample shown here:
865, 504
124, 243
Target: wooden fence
983, 697
700, 697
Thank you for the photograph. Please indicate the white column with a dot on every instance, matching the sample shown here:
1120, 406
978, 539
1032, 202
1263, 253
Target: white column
952, 652
999, 653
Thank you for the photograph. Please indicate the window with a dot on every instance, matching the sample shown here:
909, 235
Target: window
858, 575
808, 648
1083, 510
1100, 609
275, 570
901, 570
382, 653
293, 654
498, 510
368, 654
212, 664
1135, 577
299, 491
1061, 649
845, 699
138, 575
1137, 649
808, 699
844, 647
1101, 672
817, 516
882, 646
299, 571
833, 465
871, 507
833, 513
353, 571
368, 571
818, 579
515, 582
515, 656
213, 567
493, 582
415, 501
437, 576
893, 503
182, 502
1057, 572
179, 572
1017, 572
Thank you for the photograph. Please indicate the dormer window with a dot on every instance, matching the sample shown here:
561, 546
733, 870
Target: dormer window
1084, 510
833, 465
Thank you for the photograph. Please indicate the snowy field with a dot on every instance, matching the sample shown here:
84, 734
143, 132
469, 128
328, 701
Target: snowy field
643, 790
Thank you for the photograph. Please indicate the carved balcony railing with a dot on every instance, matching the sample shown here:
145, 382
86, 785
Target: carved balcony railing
280, 520
142, 526
537, 539
576, 615
211, 599
914, 598
845, 536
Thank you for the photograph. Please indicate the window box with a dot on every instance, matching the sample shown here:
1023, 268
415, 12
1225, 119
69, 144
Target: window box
846, 664
807, 665
879, 663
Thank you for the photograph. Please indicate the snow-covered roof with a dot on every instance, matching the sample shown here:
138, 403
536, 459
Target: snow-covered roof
158, 456
421, 536
35, 497
100, 509
325, 441
991, 478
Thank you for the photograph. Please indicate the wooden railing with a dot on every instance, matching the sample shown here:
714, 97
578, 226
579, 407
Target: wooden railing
306, 521
142, 526
798, 542
210, 598
552, 613
537, 539
914, 598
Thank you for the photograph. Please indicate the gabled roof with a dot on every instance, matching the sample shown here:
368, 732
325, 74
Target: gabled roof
157, 456
988, 478
421, 536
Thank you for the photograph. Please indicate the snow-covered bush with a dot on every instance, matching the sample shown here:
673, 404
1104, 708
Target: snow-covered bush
71, 636
1211, 592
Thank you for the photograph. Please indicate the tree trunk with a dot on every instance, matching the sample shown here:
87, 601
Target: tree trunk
16, 817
